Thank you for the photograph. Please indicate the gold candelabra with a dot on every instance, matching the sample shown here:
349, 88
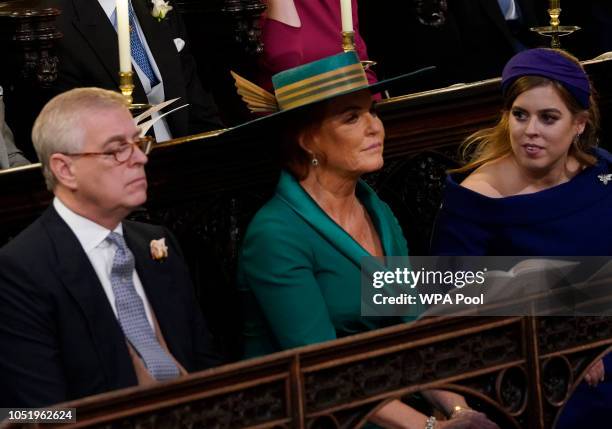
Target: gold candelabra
126, 86
348, 45
348, 41
555, 30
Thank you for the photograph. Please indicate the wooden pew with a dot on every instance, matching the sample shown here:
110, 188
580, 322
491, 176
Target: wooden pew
206, 189
519, 370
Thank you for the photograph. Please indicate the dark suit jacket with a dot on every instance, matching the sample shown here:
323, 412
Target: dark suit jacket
473, 43
59, 338
487, 42
89, 56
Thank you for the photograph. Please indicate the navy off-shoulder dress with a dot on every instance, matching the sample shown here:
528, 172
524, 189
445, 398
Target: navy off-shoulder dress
571, 219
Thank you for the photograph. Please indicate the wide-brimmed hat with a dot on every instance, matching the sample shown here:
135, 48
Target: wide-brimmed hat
309, 84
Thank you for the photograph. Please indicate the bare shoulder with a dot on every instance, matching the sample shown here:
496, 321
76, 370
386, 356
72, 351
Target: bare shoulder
485, 180
284, 11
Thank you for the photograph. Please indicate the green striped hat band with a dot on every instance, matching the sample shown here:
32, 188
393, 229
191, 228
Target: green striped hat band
319, 80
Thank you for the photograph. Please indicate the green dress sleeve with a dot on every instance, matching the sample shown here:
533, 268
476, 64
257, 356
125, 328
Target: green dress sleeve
277, 266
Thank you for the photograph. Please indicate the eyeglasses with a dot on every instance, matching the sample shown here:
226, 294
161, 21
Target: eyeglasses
126, 151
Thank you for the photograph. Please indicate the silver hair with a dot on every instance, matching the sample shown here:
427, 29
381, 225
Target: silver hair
58, 128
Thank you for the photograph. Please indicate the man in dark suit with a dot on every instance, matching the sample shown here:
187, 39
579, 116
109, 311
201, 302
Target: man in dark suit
90, 302
471, 39
490, 32
88, 56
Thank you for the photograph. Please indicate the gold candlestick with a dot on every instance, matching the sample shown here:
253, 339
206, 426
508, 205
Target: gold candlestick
348, 45
554, 14
126, 86
348, 41
555, 30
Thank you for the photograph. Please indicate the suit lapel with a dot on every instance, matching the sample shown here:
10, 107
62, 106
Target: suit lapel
157, 282
79, 278
96, 28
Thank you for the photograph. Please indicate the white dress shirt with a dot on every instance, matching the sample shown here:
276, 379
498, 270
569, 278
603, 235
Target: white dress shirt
100, 252
156, 94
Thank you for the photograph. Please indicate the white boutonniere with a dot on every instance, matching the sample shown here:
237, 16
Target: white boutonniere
159, 250
160, 9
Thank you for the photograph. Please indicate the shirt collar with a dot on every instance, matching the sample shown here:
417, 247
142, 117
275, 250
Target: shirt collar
89, 233
108, 6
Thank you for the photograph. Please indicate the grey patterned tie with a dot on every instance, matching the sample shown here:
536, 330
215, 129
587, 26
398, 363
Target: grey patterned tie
132, 316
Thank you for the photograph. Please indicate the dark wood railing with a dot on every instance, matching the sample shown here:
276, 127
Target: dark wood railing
520, 371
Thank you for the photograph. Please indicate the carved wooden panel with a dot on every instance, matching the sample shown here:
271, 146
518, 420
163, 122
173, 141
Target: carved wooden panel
265, 403
28, 34
415, 366
246, 16
339, 384
561, 333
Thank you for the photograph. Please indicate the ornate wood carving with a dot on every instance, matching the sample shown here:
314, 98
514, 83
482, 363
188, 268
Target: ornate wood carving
361, 380
259, 404
246, 15
431, 12
27, 31
340, 383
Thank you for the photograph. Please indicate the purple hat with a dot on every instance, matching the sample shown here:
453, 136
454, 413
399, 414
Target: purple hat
551, 64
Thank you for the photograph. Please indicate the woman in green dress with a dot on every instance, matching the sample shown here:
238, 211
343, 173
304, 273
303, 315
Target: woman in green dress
299, 270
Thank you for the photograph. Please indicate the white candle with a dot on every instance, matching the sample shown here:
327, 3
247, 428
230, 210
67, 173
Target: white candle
123, 35
346, 12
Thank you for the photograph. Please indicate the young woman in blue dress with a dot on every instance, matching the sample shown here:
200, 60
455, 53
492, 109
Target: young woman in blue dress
533, 182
